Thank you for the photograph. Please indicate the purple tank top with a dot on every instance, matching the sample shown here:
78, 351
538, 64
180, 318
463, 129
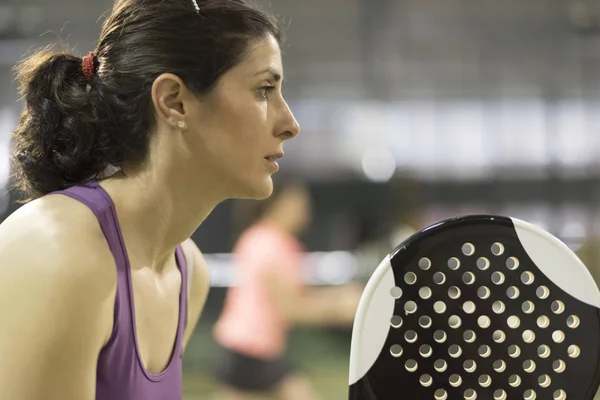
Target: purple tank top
120, 374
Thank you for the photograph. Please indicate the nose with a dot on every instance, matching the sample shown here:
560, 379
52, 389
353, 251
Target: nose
288, 127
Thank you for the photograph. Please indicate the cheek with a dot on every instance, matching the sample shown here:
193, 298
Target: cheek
232, 136
246, 134
235, 150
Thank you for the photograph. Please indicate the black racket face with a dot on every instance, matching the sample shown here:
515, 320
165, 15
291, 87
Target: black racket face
475, 318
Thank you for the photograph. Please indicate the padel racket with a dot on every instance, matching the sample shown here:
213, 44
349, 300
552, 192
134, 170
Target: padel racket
478, 307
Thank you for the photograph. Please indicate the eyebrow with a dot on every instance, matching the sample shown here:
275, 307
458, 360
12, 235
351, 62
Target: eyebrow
270, 70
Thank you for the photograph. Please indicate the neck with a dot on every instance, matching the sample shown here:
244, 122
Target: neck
157, 213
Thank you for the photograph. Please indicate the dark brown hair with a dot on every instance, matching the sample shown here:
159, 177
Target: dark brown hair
72, 129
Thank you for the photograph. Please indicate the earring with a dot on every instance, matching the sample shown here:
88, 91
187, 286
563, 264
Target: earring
181, 124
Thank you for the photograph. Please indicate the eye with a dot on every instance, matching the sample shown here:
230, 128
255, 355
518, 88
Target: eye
265, 91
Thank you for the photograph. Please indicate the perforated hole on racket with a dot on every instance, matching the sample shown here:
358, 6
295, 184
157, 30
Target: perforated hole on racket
478, 307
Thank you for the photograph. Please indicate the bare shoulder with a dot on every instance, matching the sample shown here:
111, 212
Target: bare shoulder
51, 229
57, 285
198, 272
50, 212
55, 245
198, 285
195, 259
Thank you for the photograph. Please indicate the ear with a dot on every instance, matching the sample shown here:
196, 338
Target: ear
168, 92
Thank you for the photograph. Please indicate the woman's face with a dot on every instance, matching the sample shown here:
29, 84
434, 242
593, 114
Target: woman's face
238, 132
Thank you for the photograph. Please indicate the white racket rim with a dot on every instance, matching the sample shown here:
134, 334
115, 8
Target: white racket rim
551, 256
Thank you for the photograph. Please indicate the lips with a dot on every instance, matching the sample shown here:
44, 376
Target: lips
274, 157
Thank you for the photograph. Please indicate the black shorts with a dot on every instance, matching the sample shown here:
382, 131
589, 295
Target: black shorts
246, 373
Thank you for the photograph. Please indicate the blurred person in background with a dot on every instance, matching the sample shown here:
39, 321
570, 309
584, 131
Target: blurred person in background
269, 299
382, 235
123, 154
589, 251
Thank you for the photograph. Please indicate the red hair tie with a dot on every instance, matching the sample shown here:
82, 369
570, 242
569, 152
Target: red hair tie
88, 65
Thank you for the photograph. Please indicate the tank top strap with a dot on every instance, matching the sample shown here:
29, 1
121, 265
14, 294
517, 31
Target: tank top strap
99, 202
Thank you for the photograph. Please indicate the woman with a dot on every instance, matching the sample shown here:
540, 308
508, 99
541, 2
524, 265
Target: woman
269, 299
123, 154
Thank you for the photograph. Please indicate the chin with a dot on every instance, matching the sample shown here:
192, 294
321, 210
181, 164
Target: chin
264, 189
257, 189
